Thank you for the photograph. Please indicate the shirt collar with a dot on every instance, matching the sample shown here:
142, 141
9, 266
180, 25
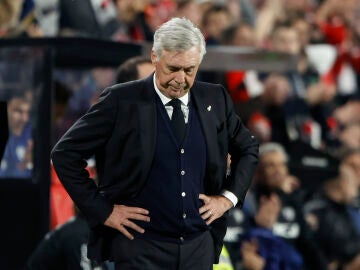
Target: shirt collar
164, 99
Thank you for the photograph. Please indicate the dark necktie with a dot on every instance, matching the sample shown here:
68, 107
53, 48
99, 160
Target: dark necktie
177, 119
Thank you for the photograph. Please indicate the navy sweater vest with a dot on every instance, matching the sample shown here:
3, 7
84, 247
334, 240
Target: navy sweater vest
176, 178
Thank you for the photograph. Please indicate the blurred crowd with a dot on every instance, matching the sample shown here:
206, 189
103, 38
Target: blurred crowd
283, 224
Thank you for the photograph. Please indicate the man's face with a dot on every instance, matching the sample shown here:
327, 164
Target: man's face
176, 71
274, 169
18, 113
286, 40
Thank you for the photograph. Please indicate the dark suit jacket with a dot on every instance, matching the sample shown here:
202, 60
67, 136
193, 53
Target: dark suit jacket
121, 130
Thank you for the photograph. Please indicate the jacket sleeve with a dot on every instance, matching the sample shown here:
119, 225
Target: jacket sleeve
79, 143
243, 148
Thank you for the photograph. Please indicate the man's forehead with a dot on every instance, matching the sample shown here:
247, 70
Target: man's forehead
19, 101
181, 58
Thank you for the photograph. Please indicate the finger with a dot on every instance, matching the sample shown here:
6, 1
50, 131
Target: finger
207, 215
210, 219
139, 217
138, 210
203, 209
125, 232
204, 198
133, 226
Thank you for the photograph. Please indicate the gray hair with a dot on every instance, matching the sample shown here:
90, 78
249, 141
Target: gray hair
178, 34
272, 147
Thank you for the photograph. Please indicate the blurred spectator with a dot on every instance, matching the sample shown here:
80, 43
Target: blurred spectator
289, 224
337, 21
17, 160
270, 104
9, 15
132, 20
17, 19
215, 20
59, 125
133, 69
332, 223
238, 34
306, 110
156, 13
65, 248
189, 9
270, 12
260, 126
241, 84
89, 18
351, 158
272, 251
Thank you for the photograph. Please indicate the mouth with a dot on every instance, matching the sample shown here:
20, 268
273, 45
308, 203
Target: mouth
180, 87
174, 88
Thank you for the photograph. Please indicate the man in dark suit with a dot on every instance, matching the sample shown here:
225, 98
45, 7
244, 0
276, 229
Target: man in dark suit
161, 154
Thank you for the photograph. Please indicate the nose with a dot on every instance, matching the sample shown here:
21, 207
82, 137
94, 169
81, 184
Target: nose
180, 77
24, 116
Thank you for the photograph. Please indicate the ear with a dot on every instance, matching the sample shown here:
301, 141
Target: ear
153, 57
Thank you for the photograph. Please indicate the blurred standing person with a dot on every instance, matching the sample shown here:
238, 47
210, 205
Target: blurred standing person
17, 159
162, 191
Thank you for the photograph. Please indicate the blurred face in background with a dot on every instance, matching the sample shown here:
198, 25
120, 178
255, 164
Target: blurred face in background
215, 22
273, 169
18, 114
244, 36
286, 40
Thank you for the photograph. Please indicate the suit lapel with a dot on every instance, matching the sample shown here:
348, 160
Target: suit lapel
207, 120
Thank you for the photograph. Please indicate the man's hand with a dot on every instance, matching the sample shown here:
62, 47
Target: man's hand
250, 258
120, 219
268, 212
214, 207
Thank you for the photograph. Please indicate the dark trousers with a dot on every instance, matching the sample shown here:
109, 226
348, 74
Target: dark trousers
198, 254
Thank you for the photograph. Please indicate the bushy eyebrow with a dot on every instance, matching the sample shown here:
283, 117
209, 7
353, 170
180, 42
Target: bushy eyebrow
171, 67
